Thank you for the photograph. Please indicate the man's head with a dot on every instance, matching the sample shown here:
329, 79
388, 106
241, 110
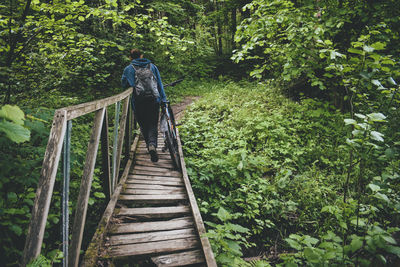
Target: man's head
135, 53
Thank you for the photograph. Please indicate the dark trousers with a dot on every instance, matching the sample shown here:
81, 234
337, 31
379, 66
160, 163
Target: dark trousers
146, 113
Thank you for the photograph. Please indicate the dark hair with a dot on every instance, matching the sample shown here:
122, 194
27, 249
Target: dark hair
135, 53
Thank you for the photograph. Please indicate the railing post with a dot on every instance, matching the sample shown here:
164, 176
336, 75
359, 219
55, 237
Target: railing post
115, 145
65, 196
84, 192
105, 153
40, 210
121, 135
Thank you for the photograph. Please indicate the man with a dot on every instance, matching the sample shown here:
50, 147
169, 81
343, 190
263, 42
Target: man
146, 108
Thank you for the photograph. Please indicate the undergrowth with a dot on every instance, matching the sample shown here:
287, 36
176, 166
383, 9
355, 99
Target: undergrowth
269, 175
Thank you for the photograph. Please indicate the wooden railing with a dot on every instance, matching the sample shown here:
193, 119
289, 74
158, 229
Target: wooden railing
60, 136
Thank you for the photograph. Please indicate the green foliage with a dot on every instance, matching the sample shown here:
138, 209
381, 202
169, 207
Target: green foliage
282, 166
12, 124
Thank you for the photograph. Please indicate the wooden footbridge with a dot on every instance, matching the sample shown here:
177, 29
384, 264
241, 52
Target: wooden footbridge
152, 218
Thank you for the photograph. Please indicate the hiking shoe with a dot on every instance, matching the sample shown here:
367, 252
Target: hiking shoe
153, 153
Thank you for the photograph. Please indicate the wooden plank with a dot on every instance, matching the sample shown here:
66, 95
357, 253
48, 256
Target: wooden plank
153, 212
154, 198
153, 168
97, 240
149, 163
84, 192
121, 135
153, 247
86, 108
163, 173
105, 154
155, 182
179, 259
160, 178
40, 210
139, 227
153, 192
151, 186
150, 237
208, 253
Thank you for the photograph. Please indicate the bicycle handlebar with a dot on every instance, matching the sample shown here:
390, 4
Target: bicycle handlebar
173, 83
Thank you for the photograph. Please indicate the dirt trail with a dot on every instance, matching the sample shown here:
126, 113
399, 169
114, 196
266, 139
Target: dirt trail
179, 109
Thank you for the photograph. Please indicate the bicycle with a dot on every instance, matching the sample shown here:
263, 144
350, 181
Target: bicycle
168, 129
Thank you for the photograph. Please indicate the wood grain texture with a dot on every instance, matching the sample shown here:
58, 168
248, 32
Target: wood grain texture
153, 247
121, 135
153, 178
44, 192
208, 253
154, 198
154, 191
151, 186
151, 212
86, 108
91, 254
105, 154
158, 173
179, 259
150, 237
84, 192
155, 182
180, 223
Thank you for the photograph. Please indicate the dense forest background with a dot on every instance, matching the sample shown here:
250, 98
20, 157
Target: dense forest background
293, 149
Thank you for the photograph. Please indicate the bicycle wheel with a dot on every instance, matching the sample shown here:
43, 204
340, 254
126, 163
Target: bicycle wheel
173, 149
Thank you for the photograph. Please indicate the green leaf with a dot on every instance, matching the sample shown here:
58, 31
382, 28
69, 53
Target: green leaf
239, 228
99, 195
356, 244
374, 187
12, 113
377, 136
310, 255
293, 243
376, 116
223, 215
382, 197
12, 197
355, 51
14, 132
368, 49
350, 121
378, 46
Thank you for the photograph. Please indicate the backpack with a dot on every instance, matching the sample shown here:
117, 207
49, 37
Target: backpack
145, 83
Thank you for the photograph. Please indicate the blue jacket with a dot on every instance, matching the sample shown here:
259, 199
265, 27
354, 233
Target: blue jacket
128, 77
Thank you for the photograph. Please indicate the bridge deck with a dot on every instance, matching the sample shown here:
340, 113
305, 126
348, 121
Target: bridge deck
152, 222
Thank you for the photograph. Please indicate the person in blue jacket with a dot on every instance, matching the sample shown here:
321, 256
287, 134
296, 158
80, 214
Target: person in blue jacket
146, 111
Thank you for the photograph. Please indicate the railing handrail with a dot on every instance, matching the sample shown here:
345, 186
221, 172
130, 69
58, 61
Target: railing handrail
76, 111
52, 155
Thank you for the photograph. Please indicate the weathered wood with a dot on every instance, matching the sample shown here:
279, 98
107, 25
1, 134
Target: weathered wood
208, 253
153, 178
154, 168
160, 173
86, 108
97, 240
128, 131
121, 134
151, 186
159, 182
153, 192
150, 237
154, 198
149, 163
179, 259
84, 192
153, 247
40, 210
105, 154
154, 212
139, 227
